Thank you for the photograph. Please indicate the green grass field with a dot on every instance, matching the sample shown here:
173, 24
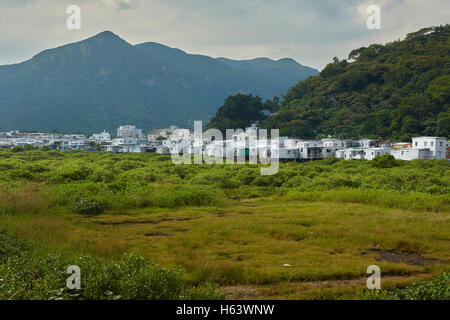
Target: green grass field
227, 225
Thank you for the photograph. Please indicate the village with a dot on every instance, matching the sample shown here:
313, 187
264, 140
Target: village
176, 141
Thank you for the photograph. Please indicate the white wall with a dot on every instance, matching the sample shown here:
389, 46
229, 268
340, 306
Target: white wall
409, 154
436, 145
371, 153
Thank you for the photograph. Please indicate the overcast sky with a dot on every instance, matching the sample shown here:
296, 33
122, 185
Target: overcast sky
310, 31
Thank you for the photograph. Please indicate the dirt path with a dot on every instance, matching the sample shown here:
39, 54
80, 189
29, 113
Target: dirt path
243, 292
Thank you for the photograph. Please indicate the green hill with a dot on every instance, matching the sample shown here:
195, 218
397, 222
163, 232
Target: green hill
103, 82
397, 90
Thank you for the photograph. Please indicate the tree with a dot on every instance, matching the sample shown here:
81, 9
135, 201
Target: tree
439, 89
272, 105
444, 123
386, 161
239, 111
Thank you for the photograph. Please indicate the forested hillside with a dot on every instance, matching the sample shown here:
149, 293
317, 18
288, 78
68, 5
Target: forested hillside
397, 90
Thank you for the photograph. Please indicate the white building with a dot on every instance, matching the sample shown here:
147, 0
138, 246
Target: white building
285, 149
409, 154
436, 145
333, 143
220, 149
340, 154
74, 136
310, 149
372, 153
353, 154
101, 137
129, 132
180, 146
366, 143
167, 133
448, 150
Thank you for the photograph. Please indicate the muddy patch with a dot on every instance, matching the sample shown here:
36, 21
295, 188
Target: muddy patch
164, 233
155, 221
294, 288
127, 222
156, 234
412, 259
247, 212
240, 292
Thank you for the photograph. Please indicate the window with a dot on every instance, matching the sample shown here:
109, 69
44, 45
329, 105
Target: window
425, 144
440, 144
432, 143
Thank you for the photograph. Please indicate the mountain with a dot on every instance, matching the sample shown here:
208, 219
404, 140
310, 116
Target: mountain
103, 82
397, 90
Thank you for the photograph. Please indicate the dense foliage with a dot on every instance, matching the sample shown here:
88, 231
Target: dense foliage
238, 112
396, 91
90, 183
10, 246
26, 274
436, 288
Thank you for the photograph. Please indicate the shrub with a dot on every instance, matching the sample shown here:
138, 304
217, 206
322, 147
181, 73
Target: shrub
386, 161
247, 175
10, 246
295, 181
37, 277
69, 174
89, 206
183, 196
17, 149
265, 181
438, 288
220, 179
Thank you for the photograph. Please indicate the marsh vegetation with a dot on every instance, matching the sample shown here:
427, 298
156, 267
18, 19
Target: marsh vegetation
196, 228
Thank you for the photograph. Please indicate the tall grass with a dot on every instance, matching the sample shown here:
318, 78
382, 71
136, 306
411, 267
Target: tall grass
383, 198
26, 198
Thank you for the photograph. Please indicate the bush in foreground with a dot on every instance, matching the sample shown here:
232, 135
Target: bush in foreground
27, 275
437, 288
36, 277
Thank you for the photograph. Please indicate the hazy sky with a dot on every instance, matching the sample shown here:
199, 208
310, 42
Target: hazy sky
310, 31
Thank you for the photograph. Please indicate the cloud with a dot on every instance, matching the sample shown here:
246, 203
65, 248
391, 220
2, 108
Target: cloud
122, 4
312, 32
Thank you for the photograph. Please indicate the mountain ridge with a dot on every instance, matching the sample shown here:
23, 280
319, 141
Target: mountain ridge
104, 81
